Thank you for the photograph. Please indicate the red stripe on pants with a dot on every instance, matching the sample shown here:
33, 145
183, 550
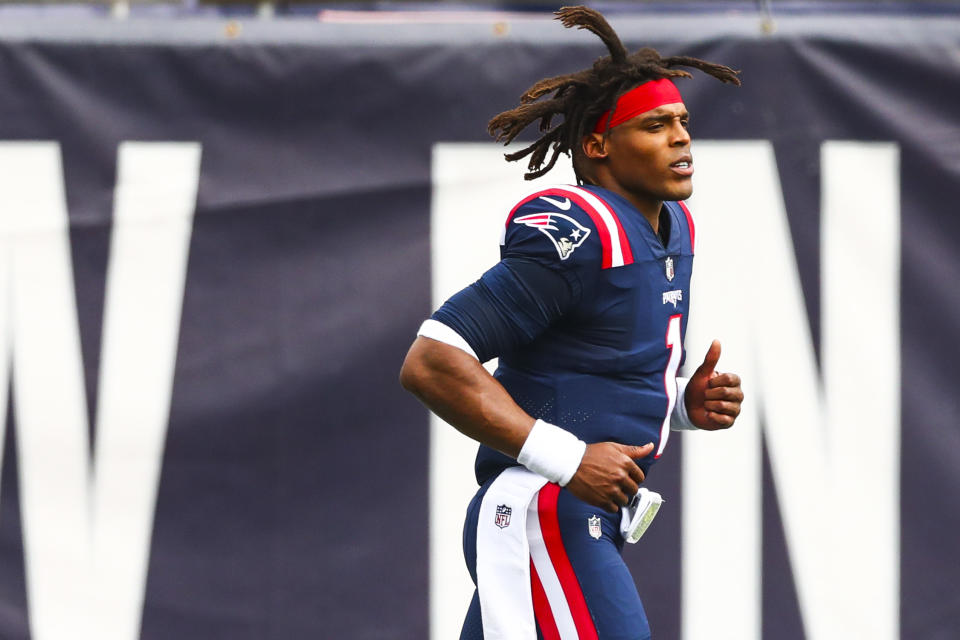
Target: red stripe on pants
541, 607
550, 527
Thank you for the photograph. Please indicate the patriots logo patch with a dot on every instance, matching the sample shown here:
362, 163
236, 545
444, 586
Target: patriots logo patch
564, 232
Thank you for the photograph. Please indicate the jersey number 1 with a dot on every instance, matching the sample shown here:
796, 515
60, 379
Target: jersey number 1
674, 343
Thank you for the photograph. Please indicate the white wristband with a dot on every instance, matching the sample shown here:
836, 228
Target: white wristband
680, 420
552, 452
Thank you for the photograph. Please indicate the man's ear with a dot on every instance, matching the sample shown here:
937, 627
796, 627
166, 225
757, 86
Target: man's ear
594, 146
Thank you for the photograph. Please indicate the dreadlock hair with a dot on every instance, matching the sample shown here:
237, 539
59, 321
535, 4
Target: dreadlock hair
582, 97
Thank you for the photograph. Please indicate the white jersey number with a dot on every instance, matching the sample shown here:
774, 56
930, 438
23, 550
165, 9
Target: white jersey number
675, 343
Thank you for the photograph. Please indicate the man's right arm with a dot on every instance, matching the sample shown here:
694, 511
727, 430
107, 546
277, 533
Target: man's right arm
454, 385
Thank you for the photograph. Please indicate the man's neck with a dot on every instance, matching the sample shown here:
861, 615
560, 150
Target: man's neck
648, 208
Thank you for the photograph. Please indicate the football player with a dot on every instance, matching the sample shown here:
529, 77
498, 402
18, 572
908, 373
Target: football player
586, 311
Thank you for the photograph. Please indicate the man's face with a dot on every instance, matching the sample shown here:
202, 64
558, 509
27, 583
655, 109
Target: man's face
649, 155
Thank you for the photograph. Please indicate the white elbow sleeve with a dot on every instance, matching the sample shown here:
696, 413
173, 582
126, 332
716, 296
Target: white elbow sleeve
440, 332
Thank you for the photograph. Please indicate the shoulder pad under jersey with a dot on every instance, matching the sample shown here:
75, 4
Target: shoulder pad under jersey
681, 214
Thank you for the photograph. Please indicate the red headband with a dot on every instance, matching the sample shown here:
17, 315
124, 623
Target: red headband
640, 99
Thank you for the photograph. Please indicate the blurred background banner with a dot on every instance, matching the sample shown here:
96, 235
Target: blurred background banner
218, 237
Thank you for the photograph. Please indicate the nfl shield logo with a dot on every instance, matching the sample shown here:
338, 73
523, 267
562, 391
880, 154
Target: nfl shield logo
668, 267
502, 518
593, 527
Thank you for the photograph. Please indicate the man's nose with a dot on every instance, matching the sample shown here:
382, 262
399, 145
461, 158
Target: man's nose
681, 136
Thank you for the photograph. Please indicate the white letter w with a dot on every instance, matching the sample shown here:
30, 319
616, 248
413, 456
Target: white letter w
86, 528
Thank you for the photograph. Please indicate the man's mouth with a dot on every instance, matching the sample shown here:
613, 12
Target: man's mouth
683, 167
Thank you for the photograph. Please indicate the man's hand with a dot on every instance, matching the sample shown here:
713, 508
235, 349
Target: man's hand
713, 399
607, 476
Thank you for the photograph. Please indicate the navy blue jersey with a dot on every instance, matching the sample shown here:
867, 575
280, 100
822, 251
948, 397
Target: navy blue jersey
599, 356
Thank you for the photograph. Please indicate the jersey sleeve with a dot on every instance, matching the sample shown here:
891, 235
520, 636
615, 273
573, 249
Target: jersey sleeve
549, 255
554, 230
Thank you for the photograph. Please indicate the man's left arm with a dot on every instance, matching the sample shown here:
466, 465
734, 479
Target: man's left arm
708, 400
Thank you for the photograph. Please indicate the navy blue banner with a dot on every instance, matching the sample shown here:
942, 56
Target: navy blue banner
291, 172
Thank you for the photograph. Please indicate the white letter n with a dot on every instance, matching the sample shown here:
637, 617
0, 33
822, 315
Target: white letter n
834, 446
